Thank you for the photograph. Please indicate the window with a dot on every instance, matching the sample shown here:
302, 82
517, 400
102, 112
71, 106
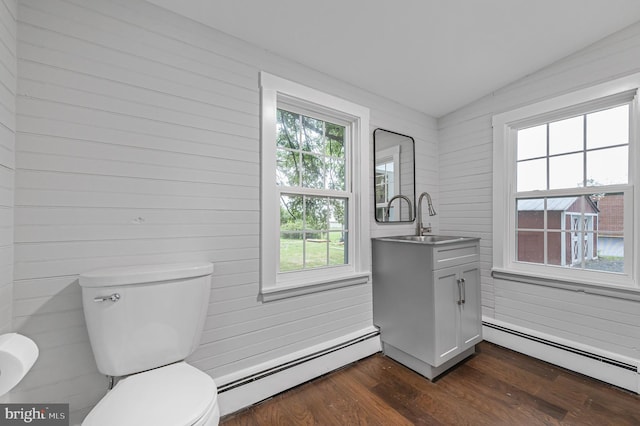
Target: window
311, 172
314, 156
584, 155
564, 189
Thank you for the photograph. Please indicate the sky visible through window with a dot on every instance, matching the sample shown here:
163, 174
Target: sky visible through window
587, 150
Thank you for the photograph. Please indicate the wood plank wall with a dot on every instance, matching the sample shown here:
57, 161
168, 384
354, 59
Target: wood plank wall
137, 142
465, 138
8, 10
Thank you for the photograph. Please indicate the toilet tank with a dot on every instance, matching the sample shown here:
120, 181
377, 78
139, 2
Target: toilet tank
143, 317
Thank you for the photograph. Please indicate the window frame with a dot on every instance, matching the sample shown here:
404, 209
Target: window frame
277, 92
505, 127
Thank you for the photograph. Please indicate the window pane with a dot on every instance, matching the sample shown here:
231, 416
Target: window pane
316, 215
313, 232
312, 135
316, 251
337, 252
610, 213
532, 175
610, 251
566, 171
291, 251
288, 129
335, 174
311, 152
337, 214
610, 232
530, 213
566, 136
287, 168
291, 213
335, 139
608, 127
582, 248
556, 248
532, 142
559, 207
291, 235
530, 246
338, 246
578, 216
608, 166
313, 171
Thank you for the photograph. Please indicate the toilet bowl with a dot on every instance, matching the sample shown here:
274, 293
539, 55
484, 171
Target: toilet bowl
143, 321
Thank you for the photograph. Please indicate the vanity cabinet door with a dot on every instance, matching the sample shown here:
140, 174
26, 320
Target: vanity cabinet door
458, 325
471, 318
446, 295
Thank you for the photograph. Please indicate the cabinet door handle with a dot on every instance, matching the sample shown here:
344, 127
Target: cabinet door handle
464, 290
460, 300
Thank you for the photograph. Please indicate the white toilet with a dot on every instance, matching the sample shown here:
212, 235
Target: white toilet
143, 321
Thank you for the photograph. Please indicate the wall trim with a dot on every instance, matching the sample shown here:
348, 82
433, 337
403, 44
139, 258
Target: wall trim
256, 386
624, 293
609, 367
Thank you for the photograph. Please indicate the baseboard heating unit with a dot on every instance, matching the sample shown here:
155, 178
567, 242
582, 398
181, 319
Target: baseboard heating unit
612, 368
263, 381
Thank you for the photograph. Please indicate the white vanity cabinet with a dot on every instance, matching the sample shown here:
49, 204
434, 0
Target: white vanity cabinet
426, 301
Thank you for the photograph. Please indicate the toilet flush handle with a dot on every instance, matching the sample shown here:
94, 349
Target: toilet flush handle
114, 298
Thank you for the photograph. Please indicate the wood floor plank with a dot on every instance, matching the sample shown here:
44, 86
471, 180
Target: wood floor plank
599, 403
403, 389
509, 402
273, 413
495, 387
242, 418
373, 371
327, 402
522, 374
542, 369
441, 400
405, 398
367, 407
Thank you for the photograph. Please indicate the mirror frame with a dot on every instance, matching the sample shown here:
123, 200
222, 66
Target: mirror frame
412, 196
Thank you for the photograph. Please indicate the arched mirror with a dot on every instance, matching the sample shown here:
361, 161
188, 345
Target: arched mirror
394, 176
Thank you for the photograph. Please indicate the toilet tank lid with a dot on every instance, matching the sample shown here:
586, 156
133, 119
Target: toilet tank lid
140, 274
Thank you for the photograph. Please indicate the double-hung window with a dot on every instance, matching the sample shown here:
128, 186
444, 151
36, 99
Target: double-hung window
314, 194
564, 175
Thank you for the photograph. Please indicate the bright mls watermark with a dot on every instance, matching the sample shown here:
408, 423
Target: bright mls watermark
34, 414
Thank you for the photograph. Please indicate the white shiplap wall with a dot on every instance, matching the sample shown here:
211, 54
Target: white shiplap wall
465, 155
137, 142
8, 10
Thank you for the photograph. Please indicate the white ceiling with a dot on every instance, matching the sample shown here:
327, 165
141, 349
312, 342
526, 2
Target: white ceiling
432, 55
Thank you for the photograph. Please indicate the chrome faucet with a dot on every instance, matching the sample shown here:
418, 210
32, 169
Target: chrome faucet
420, 229
404, 197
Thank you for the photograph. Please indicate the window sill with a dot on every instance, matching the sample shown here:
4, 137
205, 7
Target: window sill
292, 290
615, 291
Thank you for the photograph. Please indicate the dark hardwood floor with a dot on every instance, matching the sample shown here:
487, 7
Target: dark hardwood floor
495, 387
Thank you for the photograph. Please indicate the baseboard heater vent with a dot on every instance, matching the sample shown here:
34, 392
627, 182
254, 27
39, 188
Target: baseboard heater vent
591, 355
277, 369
